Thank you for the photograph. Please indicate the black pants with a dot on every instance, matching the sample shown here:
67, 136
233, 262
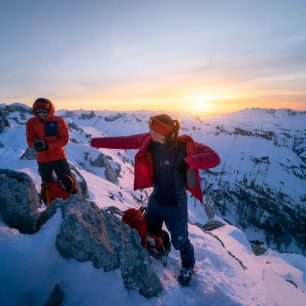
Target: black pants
60, 167
176, 222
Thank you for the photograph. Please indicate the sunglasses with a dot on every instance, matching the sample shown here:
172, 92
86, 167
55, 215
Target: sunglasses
42, 111
151, 121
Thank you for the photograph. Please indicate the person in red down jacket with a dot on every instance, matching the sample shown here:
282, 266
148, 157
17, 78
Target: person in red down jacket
48, 135
170, 164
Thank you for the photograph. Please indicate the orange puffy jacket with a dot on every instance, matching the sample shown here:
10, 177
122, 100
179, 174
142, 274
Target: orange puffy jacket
54, 131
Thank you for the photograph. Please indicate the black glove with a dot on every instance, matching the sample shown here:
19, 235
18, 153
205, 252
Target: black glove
181, 166
40, 145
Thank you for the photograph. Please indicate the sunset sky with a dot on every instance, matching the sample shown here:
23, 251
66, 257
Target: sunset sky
187, 56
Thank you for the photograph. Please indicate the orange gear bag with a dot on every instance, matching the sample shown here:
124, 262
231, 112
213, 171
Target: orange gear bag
135, 218
56, 189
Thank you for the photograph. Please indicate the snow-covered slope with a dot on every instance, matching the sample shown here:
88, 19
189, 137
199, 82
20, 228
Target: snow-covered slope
31, 266
260, 185
228, 272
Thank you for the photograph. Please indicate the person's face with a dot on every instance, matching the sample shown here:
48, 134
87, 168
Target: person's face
42, 114
157, 137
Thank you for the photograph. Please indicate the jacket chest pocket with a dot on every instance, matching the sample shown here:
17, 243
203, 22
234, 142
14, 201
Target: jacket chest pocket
50, 128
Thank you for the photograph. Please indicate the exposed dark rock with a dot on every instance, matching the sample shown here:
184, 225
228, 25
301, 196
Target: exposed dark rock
99, 161
269, 135
86, 116
73, 126
44, 216
29, 154
3, 122
19, 200
18, 107
73, 140
258, 247
212, 225
80, 181
68, 114
220, 130
261, 160
56, 297
272, 211
239, 131
110, 174
87, 233
113, 117
210, 208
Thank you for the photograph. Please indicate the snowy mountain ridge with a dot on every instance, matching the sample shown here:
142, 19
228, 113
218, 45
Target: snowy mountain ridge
260, 184
270, 279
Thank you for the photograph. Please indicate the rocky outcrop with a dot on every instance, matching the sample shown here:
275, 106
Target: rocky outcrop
3, 122
80, 180
18, 107
87, 115
212, 225
87, 233
19, 200
44, 216
16, 112
281, 219
113, 117
73, 126
258, 247
29, 154
269, 135
110, 174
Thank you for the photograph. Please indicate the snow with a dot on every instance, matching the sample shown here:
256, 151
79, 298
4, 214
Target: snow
31, 266
227, 271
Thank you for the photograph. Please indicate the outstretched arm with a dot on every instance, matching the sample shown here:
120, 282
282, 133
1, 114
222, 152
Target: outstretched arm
204, 158
125, 142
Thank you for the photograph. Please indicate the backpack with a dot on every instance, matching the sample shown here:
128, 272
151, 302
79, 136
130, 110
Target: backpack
61, 188
157, 246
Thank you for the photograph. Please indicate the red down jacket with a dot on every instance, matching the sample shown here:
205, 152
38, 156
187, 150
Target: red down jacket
54, 131
198, 157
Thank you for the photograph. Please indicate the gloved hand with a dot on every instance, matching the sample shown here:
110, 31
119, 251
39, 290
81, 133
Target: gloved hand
40, 145
181, 166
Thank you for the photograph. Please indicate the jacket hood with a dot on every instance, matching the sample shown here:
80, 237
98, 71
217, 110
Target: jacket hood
48, 105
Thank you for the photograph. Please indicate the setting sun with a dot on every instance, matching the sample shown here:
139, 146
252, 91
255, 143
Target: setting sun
202, 104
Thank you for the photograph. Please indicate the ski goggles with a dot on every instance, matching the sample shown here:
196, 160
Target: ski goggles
42, 111
160, 127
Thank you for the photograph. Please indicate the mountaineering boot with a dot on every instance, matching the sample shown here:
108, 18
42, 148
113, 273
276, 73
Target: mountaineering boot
185, 275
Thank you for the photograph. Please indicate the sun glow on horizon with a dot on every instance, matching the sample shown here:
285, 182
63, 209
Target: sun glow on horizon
192, 101
202, 103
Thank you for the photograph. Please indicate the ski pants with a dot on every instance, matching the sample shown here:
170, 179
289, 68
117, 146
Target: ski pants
60, 167
175, 218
